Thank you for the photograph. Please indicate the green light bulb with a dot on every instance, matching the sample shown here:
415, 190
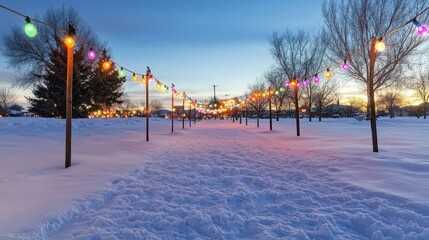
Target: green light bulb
121, 73
30, 29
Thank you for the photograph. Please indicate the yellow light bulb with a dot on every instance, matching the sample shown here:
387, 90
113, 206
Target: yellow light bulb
328, 74
135, 78
69, 41
380, 45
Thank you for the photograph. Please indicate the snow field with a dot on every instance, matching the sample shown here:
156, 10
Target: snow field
220, 180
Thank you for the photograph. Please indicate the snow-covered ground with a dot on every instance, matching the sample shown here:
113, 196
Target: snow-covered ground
215, 180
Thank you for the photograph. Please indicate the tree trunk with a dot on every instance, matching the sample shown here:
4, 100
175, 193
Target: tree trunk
368, 111
424, 109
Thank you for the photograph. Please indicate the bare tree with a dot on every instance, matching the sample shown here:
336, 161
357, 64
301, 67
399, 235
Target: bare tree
297, 55
350, 25
7, 99
156, 106
391, 101
355, 104
420, 83
125, 104
29, 56
259, 102
276, 80
325, 93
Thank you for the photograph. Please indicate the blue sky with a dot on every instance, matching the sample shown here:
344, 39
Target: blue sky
191, 43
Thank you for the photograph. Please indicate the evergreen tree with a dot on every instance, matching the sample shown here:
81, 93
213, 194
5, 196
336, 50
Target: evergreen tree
49, 95
105, 85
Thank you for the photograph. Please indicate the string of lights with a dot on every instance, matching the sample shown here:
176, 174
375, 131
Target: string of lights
380, 46
31, 31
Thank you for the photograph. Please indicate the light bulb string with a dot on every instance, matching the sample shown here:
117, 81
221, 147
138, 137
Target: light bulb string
369, 42
33, 19
338, 63
335, 64
80, 39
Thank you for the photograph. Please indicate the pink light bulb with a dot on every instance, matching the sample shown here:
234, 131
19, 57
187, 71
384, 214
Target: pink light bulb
305, 82
345, 66
91, 54
422, 30
316, 78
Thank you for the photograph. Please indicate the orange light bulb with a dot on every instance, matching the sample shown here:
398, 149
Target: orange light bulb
106, 65
69, 41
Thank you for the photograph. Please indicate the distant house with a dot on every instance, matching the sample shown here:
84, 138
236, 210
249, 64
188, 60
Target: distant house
16, 113
336, 109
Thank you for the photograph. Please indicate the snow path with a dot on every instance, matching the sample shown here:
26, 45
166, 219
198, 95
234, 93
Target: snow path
218, 181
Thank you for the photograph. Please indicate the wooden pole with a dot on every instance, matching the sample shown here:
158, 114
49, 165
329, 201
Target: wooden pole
195, 114
295, 88
371, 96
148, 76
271, 115
172, 108
247, 110
257, 113
183, 115
69, 105
190, 117
241, 112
